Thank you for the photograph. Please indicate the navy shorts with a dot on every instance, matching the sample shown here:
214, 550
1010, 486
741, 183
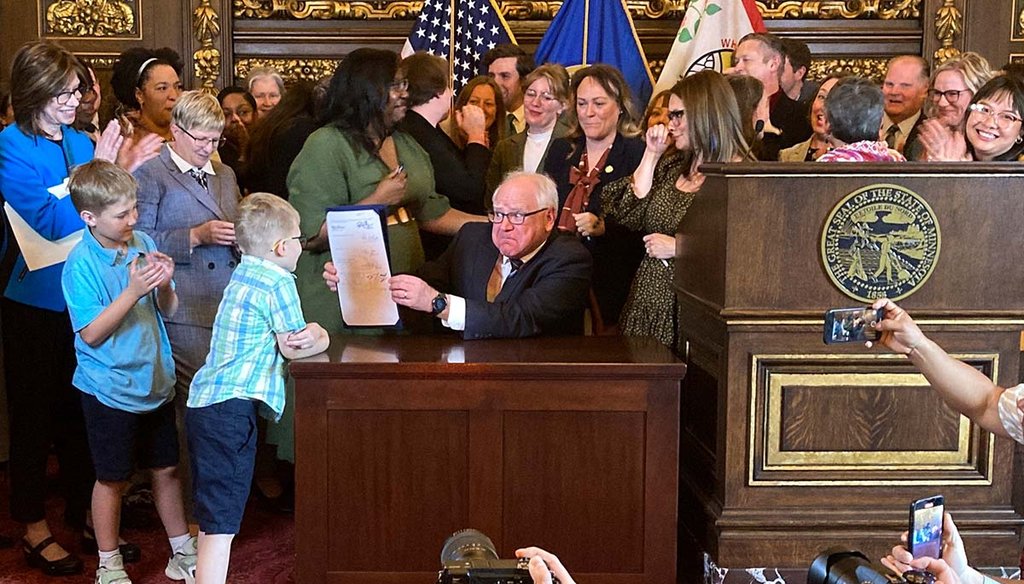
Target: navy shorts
122, 441
222, 450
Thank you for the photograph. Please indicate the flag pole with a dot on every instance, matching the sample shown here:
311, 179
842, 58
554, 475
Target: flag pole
586, 29
451, 43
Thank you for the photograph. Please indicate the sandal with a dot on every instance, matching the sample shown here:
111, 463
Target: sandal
69, 565
129, 551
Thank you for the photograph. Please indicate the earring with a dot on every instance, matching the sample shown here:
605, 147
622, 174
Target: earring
1019, 139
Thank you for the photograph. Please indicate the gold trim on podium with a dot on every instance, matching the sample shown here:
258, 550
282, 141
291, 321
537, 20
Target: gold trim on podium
974, 450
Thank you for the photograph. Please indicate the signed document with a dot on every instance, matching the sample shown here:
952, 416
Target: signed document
359, 249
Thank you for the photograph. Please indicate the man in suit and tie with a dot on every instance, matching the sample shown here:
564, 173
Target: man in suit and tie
517, 277
508, 65
905, 89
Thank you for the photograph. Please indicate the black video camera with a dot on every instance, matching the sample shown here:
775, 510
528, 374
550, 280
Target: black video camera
469, 557
839, 566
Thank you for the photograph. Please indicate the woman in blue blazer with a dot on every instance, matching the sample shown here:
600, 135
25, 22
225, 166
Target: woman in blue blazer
37, 154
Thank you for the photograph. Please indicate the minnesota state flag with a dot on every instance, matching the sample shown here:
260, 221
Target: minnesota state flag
586, 32
707, 37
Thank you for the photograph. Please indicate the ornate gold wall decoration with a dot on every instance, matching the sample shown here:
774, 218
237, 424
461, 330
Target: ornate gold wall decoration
828, 9
1017, 17
90, 18
545, 10
949, 24
290, 69
871, 68
99, 61
206, 27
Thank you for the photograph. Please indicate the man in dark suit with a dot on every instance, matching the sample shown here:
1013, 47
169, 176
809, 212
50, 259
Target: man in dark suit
516, 277
905, 88
761, 56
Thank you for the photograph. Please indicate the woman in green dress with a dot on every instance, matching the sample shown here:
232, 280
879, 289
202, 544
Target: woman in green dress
359, 158
704, 126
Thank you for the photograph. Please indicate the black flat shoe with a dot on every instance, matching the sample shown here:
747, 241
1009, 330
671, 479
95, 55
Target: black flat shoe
69, 565
130, 552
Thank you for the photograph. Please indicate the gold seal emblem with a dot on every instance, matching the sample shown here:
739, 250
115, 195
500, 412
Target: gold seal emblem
881, 241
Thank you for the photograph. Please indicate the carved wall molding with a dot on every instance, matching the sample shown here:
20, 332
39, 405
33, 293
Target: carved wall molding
1017, 18
290, 69
206, 59
546, 10
949, 24
92, 18
871, 68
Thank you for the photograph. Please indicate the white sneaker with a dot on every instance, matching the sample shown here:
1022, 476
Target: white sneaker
182, 565
113, 572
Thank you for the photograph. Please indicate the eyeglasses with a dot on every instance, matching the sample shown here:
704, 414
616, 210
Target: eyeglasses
399, 85
951, 95
1003, 119
515, 217
531, 95
300, 238
65, 96
676, 115
203, 142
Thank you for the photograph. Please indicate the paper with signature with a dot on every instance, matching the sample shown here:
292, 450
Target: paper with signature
38, 251
360, 254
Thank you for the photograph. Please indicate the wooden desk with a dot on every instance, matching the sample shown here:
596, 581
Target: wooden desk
566, 443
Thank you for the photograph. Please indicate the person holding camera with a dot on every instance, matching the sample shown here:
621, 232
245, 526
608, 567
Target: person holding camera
967, 390
955, 557
544, 565
962, 387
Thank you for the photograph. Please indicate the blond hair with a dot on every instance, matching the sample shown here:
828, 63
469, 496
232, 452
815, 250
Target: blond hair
99, 184
263, 220
198, 111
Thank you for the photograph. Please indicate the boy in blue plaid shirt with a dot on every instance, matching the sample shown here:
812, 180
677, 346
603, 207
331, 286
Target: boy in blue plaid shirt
259, 324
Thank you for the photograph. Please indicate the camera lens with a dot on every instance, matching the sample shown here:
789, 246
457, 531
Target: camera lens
468, 545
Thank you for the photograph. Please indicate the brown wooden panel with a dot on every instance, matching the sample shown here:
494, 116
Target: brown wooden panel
553, 457
862, 419
398, 487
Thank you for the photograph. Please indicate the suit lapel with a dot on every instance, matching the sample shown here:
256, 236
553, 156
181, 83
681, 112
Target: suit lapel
192, 186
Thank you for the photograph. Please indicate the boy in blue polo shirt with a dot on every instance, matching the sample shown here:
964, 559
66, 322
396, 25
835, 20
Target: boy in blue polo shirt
116, 285
259, 324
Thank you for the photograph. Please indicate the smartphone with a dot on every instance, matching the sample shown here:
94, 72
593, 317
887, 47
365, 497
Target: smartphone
924, 538
851, 325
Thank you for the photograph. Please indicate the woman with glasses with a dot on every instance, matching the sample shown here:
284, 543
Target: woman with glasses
360, 157
544, 101
603, 146
188, 204
991, 130
37, 153
705, 125
147, 85
953, 86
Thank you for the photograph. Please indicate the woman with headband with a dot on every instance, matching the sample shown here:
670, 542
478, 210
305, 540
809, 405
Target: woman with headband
147, 85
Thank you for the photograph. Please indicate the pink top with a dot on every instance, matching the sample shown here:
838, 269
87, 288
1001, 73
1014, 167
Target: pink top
865, 151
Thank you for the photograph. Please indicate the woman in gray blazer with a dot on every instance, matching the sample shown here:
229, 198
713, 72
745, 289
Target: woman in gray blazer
545, 100
187, 204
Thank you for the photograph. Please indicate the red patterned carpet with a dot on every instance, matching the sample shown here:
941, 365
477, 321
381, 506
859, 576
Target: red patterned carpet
263, 553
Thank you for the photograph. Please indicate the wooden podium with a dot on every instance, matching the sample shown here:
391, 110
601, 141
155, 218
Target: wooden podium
788, 445
565, 443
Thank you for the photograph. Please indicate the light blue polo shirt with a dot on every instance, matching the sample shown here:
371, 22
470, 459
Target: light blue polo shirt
132, 370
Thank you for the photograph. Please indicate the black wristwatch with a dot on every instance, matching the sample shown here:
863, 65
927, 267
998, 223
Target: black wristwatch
438, 304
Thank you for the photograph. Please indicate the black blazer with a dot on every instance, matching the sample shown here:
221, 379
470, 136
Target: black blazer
792, 118
618, 252
545, 297
458, 175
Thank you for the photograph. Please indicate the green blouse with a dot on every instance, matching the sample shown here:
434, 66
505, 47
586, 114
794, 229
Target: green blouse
333, 170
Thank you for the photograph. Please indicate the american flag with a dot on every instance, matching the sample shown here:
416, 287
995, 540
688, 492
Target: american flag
479, 27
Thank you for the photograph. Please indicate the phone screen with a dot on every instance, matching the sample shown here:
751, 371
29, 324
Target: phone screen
851, 325
925, 535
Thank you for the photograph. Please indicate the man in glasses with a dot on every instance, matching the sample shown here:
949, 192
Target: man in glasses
516, 277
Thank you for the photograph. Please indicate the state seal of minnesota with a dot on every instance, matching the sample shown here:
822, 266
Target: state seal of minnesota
880, 241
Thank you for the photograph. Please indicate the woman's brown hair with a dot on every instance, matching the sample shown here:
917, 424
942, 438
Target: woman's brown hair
38, 74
